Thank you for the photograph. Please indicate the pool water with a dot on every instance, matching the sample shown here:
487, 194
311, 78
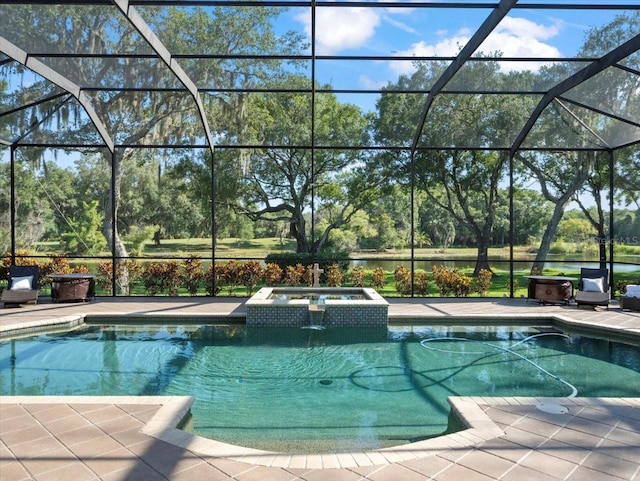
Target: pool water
335, 390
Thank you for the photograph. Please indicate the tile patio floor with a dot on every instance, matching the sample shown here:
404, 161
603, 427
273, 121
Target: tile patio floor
82, 438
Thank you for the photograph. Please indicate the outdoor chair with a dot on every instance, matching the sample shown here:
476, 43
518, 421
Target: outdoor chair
593, 288
23, 286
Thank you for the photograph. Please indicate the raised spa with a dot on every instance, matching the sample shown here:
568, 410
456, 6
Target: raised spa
317, 307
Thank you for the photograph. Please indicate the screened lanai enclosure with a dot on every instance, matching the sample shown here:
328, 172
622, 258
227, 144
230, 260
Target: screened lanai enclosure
393, 143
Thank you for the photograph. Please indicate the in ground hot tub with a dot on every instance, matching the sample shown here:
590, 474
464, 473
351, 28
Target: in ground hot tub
317, 307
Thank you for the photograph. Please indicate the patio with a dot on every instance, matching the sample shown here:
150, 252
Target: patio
132, 438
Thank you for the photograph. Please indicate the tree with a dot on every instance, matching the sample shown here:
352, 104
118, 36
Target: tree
530, 211
285, 182
577, 230
134, 117
624, 101
83, 236
391, 217
464, 183
627, 177
567, 177
33, 211
195, 172
560, 176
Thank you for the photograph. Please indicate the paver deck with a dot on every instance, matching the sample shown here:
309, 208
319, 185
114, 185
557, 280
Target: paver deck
132, 438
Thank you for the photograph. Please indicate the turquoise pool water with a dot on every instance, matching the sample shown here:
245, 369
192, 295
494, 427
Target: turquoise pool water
300, 390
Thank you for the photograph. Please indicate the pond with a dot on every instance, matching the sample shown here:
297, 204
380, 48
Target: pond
524, 266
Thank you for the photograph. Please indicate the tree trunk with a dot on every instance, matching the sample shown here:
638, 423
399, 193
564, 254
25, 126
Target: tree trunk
602, 247
599, 221
550, 233
110, 228
482, 262
583, 171
299, 235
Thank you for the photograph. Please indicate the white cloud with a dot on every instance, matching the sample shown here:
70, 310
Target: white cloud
400, 25
522, 27
514, 37
519, 37
367, 83
342, 28
448, 47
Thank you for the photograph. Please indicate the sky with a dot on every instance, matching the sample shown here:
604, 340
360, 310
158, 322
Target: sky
409, 32
440, 32
436, 32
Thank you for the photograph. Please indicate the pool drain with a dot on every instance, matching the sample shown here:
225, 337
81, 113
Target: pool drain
326, 382
552, 407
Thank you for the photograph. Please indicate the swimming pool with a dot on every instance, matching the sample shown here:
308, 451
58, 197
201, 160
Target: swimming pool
340, 389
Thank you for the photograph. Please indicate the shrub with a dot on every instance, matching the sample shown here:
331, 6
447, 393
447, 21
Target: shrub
589, 248
450, 281
403, 280
463, 286
483, 282
357, 276
421, 283
251, 272
171, 278
105, 276
129, 268
560, 247
516, 285
294, 275
57, 265
324, 259
273, 274
441, 276
212, 280
379, 278
307, 276
191, 274
161, 278
152, 278
230, 275
335, 277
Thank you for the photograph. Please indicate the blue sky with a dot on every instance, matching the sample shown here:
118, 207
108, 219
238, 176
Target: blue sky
436, 32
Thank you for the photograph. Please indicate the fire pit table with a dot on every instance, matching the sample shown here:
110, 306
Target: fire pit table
550, 288
72, 287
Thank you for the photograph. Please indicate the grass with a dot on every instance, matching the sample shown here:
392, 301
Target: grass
242, 249
236, 248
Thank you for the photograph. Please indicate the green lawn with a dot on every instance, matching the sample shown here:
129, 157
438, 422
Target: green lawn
240, 249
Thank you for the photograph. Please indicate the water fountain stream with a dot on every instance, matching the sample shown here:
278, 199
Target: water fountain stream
316, 313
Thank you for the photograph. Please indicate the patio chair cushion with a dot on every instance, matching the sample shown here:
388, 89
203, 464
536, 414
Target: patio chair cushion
593, 285
22, 283
632, 291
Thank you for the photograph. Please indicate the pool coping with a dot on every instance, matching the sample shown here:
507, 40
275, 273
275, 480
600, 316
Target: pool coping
480, 428
27, 328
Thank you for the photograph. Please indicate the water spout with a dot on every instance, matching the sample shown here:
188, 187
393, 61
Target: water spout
316, 313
